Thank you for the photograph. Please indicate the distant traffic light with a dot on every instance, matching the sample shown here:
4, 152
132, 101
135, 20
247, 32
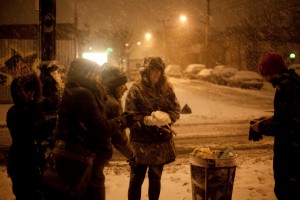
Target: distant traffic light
292, 56
109, 50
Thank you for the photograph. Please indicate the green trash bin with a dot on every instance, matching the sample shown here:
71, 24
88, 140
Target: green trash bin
212, 179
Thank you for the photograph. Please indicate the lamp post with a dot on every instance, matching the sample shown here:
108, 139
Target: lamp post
47, 18
182, 20
206, 23
206, 31
76, 29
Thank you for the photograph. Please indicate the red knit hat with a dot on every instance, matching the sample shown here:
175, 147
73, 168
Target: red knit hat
271, 63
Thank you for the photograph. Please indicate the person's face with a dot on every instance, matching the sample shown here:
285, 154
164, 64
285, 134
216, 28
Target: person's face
154, 75
28, 96
120, 91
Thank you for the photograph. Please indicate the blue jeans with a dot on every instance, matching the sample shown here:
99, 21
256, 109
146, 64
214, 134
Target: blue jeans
137, 176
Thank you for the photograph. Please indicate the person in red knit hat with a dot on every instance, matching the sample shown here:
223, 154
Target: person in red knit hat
272, 63
284, 125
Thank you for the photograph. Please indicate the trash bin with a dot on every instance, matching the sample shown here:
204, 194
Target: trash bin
212, 179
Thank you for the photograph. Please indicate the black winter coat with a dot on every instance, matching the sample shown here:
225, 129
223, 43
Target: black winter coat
287, 136
82, 119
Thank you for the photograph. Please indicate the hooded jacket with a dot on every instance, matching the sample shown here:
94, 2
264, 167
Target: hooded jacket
142, 99
25, 123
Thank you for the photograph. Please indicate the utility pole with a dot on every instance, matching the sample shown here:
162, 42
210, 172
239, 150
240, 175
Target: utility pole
206, 31
47, 20
76, 29
164, 39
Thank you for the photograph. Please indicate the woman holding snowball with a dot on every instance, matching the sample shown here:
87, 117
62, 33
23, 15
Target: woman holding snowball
153, 101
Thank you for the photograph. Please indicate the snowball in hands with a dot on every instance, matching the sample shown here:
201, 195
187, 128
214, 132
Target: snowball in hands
157, 118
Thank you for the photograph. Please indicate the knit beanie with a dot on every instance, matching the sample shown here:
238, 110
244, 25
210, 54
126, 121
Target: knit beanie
271, 63
112, 76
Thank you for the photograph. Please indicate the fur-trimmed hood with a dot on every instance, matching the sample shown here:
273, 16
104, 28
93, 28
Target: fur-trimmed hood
150, 63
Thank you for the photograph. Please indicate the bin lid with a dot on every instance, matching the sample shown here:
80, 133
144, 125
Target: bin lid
216, 162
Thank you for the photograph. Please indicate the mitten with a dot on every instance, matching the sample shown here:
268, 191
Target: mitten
160, 118
149, 121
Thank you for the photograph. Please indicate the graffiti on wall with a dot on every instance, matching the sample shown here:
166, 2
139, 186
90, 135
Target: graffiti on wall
16, 65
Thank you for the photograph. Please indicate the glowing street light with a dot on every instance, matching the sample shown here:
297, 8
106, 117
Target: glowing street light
183, 18
148, 36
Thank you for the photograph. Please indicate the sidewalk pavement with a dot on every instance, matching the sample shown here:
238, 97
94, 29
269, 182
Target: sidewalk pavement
5, 141
3, 110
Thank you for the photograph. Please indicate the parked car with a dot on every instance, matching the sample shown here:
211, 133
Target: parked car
173, 70
221, 73
205, 74
296, 67
192, 70
246, 79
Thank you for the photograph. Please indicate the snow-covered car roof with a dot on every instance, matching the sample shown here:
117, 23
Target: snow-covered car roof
173, 70
194, 67
205, 72
246, 79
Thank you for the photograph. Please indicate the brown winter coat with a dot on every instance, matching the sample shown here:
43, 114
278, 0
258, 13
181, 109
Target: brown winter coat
152, 145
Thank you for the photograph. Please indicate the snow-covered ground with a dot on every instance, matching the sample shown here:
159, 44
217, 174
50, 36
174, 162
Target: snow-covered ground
209, 104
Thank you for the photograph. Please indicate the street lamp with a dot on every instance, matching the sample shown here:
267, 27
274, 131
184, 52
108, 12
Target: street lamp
182, 20
148, 36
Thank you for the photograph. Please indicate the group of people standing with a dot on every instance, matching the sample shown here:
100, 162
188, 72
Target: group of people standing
90, 113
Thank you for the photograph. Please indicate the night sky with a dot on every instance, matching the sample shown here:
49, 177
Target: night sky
140, 15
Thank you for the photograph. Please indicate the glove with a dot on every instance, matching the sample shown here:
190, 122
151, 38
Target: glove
126, 120
157, 118
130, 119
132, 162
254, 133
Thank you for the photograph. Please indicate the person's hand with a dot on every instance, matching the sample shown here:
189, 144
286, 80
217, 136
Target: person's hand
132, 162
126, 120
161, 118
130, 119
254, 134
157, 118
149, 120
